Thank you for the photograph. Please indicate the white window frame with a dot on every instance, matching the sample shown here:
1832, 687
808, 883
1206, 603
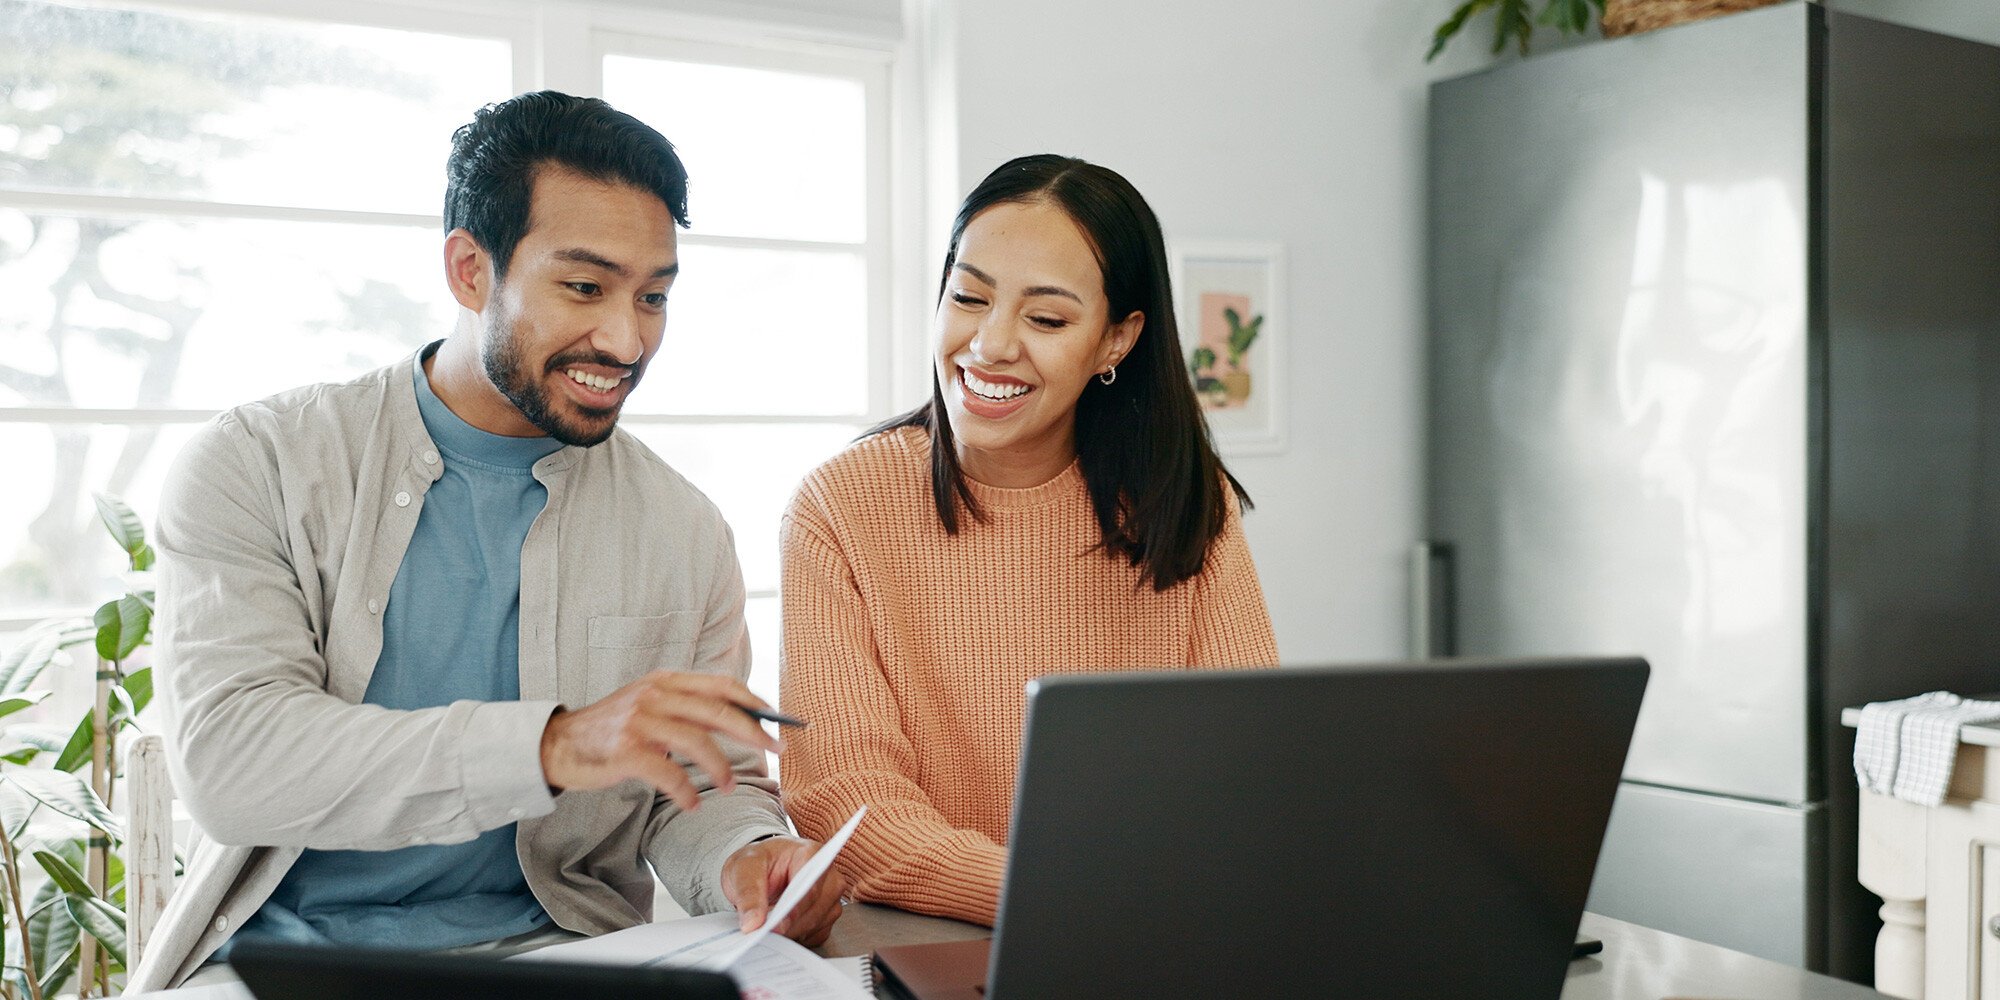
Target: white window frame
873, 75
562, 45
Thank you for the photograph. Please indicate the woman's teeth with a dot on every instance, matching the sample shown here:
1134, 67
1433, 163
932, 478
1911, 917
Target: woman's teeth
993, 391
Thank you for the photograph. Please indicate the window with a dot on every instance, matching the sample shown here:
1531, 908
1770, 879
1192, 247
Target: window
201, 205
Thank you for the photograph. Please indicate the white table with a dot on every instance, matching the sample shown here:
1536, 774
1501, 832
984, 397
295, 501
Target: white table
1637, 963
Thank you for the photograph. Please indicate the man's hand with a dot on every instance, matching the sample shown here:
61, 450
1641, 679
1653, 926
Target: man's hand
754, 877
630, 733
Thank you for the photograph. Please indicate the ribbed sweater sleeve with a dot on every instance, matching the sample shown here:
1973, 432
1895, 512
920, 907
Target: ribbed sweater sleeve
856, 753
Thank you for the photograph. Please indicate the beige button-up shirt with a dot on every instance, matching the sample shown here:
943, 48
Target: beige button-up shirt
281, 528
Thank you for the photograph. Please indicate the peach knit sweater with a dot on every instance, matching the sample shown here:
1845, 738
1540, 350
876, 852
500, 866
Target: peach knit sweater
908, 648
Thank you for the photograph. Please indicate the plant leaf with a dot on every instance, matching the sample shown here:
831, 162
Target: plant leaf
22, 741
1452, 25
1569, 16
70, 849
63, 874
68, 795
17, 980
26, 659
139, 684
121, 706
54, 979
125, 527
122, 626
77, 751
145, 557
101, 921
9, 704
54, 936
127, 701
17, 809
1511, 21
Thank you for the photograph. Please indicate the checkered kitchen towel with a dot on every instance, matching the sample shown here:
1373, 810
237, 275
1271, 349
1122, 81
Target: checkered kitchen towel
1906, 748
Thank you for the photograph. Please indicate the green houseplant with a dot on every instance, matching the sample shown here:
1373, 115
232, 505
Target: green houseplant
1515, 20
55, 789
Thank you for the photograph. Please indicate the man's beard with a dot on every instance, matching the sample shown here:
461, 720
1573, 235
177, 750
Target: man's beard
510, 372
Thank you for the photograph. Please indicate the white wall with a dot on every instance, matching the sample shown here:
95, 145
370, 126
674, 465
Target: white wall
1300, 121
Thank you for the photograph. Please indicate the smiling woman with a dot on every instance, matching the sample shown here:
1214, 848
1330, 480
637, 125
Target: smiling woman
1014, 355
1055, 506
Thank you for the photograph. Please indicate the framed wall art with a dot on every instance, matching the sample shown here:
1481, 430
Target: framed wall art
1229, 299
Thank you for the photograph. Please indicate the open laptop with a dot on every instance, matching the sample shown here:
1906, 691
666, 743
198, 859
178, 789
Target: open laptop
296, 972
1396, 831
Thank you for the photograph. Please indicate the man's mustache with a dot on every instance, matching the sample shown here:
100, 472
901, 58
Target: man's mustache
562, 361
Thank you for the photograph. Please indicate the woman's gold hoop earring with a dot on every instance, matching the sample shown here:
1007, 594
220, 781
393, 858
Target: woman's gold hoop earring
1109, 375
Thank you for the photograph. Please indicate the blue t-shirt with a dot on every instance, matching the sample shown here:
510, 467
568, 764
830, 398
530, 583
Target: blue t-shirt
451, 632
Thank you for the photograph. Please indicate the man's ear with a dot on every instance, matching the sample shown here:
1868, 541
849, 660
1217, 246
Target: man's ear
468, 270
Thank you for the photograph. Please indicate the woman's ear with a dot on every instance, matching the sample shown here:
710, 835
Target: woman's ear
467, 270
1119, 340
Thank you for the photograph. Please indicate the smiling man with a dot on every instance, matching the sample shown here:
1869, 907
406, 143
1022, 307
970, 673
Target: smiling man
451, 661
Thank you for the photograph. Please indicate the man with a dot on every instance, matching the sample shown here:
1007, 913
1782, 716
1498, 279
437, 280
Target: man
378, 597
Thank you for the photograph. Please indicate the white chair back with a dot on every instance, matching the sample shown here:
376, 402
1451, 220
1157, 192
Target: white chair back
149, 841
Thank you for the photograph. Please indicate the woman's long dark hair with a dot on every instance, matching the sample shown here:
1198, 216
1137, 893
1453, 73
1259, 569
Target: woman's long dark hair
1154, 478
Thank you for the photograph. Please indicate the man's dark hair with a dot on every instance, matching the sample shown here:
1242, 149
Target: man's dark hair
490, 177
1154, 478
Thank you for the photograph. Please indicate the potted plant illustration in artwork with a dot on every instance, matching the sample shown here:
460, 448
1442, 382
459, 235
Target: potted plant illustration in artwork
1220, 361
1230, 310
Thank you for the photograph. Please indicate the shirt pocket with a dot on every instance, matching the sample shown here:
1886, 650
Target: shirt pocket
625, 648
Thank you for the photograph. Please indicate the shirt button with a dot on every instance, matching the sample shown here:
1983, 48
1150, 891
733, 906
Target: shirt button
430, 458
402, 498
222, 923
374, 606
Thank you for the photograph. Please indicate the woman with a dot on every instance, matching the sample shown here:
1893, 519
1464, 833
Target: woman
1055, 507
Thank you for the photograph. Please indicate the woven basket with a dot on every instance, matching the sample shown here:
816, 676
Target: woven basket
1629, 17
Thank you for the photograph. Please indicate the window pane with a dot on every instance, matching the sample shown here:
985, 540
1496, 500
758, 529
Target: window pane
236, 109
762, 331
770, 154
205, 315
54, 554
750, 471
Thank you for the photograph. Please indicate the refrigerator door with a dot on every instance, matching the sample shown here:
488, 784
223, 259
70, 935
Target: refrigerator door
1734, 873
1618, 392
1912, 235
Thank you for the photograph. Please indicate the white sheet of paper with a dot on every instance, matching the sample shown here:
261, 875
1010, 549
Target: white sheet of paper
776, 969
674, 943
213, 991
788, 900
